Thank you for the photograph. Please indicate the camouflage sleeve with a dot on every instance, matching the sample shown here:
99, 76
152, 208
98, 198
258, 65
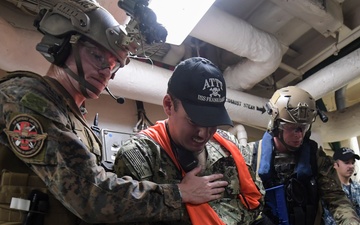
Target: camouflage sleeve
247, 153
332, 193
71, 171
132, 159
97, 196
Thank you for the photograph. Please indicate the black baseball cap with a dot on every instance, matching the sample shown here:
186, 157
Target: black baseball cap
344, 154
201, 88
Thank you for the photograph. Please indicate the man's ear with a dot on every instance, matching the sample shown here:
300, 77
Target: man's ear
336, 165
167, 104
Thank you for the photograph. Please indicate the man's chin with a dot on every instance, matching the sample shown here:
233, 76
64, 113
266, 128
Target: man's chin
93, 95
296, 144
293, 148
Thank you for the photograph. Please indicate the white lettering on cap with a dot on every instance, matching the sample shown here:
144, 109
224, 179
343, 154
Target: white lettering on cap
211, 83
214, 86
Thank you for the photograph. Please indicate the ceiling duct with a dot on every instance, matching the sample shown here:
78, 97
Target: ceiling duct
262, 50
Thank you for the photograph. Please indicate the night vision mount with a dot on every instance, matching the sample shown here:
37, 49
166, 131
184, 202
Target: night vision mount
143, 24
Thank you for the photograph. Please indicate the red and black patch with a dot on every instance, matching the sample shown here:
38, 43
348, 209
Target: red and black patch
25, 135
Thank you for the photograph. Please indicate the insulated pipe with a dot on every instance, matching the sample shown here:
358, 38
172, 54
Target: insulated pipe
262, 50
147, 83
340, 98
333, 76
240, 133
143, 82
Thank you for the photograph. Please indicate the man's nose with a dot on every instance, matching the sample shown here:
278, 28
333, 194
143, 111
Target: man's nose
105, 73
205, 131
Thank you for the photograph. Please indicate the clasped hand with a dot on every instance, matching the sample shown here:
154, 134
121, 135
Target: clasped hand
197, 190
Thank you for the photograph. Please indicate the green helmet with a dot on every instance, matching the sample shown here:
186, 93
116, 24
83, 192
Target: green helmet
291, 104
78, 17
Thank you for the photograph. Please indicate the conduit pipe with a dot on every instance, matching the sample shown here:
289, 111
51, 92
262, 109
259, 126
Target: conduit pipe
262, 50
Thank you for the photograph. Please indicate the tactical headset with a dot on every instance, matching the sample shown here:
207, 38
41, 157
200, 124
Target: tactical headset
85, 18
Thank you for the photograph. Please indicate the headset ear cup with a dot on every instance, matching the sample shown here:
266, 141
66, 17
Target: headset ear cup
275, 128
275, 132
55, 50
63, 54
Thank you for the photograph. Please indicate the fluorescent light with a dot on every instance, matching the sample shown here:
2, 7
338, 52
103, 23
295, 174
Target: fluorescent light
179, 17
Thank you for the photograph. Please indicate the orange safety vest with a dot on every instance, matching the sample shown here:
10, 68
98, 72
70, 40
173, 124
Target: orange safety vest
203, 213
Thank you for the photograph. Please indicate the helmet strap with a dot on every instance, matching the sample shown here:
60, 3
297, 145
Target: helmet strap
281, 139
80, 77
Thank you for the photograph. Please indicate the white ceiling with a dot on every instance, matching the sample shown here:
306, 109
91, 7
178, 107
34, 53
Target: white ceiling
261, 45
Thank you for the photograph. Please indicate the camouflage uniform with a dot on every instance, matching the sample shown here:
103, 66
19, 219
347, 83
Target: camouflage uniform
328, 185
41, 125
352, 191
143, 159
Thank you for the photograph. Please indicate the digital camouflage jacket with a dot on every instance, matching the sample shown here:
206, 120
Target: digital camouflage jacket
143, 159
41, 127
352, 191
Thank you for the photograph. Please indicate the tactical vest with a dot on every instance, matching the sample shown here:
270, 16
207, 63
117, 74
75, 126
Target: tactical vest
300, 195
18, 181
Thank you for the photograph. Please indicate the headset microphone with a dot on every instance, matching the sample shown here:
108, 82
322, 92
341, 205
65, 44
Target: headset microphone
119, 100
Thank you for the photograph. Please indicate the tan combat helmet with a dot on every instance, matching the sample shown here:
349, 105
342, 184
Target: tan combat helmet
291, 104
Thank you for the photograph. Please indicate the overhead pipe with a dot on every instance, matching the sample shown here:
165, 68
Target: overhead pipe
291, 70
262, 50
141, 81
333, 50
334, 76
340, 96
240, 132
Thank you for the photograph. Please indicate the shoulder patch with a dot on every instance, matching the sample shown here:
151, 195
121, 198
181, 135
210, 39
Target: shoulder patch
138, 163
25, 135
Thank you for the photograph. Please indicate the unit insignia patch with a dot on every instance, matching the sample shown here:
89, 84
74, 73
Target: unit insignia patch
25, 135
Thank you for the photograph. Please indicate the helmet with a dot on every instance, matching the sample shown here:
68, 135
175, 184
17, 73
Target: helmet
291, 104
82, 17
